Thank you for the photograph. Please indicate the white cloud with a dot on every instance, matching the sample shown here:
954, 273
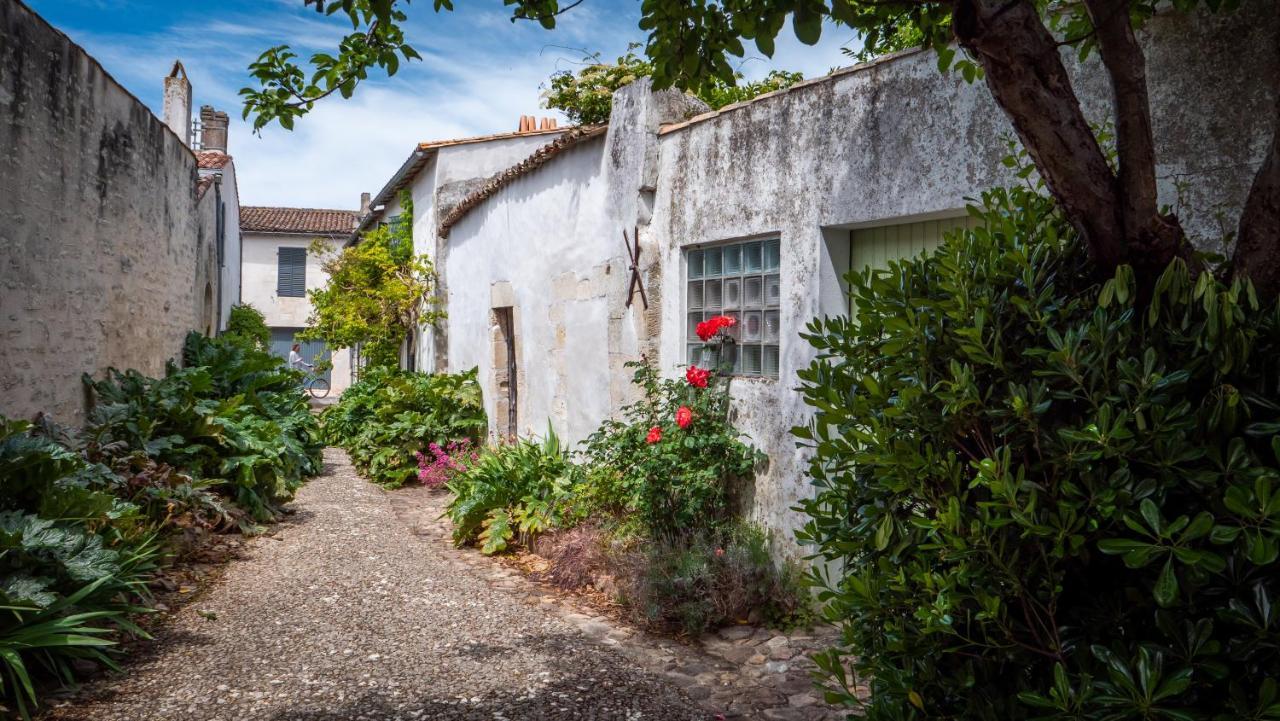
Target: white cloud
479, 73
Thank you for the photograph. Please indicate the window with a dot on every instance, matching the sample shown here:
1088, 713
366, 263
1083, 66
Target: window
740, 281
875, 247
291, 275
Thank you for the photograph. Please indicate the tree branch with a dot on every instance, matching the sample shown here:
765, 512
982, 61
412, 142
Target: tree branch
1257, 253
1028, 80
1153, 239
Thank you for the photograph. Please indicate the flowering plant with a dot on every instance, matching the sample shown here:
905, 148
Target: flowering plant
672, 460
708, 328
444, 463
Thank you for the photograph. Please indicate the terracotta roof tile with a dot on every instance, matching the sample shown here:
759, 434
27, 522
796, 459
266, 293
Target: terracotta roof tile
297, 220
202, 186
540, 157
212, 159
486, 138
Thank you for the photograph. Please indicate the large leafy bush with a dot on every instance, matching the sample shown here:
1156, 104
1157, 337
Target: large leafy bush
1042, 496
248, 326
74, 558
234, 416
388, 416
521, 488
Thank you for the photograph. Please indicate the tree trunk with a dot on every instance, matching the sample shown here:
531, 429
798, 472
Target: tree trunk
1257, 254
1152, 239
1028, 80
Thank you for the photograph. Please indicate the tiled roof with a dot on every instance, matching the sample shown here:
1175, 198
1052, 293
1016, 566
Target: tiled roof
202, 186
297, 220
212, 159
539, 158
486, 138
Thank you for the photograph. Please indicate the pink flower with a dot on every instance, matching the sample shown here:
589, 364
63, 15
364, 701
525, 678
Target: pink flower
684, 416
719, 551
655, 435
697, 377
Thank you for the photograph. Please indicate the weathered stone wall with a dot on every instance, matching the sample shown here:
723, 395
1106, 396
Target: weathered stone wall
102, 258
896, 141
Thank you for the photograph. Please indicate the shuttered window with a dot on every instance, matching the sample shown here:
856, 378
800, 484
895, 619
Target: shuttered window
291, 275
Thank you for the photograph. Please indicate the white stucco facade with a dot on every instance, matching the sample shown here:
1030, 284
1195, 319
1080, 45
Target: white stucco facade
260, 267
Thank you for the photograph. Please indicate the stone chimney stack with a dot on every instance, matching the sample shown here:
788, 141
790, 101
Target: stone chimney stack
364, 203
213, 129
177, 102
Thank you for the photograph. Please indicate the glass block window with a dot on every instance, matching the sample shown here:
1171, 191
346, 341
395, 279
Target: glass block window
740, 281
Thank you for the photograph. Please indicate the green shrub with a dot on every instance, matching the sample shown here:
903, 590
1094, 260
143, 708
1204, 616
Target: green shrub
73, 560
687, 479
389, 415
708, 578
522, 488
247, 326
1049, 498
234, 418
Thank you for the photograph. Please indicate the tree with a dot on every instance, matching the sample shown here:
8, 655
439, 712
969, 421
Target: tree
586, 96
378, 292
248, 326
1014, 44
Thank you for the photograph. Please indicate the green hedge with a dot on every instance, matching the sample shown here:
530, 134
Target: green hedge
1052, 497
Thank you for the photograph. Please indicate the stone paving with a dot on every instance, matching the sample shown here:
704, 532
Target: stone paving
359, 609
738, 672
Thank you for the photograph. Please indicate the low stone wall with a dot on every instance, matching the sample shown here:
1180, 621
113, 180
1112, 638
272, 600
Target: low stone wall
102, 260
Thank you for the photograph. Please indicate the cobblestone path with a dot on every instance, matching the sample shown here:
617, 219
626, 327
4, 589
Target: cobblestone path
345, 614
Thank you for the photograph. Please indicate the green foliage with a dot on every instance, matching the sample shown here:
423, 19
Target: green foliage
247, 325
286, 93
1050, 499
73, 559
234, 418
376, 292
586, 97
522, 488
711, 577
689, 478
388, 415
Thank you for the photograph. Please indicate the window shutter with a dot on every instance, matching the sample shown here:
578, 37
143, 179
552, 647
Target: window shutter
291, 277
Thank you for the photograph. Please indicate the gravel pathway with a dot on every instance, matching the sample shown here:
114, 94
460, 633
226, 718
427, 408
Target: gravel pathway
344, 615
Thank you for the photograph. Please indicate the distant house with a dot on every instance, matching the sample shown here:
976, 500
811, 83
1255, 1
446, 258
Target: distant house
278, 268
219, 197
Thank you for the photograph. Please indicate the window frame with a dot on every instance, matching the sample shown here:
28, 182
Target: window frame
751, 268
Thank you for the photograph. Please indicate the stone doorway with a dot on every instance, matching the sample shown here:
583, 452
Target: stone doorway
506, 373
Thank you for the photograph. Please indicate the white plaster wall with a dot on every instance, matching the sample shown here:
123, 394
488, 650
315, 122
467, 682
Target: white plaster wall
898, 140
558, 276
232, 260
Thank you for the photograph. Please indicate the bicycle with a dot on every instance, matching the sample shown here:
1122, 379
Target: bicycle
316, 385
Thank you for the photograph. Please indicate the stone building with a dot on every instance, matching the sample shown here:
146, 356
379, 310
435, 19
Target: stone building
759, 209
279, 267
115, 238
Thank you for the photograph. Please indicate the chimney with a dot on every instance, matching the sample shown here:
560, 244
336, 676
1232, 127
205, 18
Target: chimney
547, 124
177, 102
213, 129
364, 203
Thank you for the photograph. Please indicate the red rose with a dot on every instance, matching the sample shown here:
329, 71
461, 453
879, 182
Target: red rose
697, 377
707, 329
684, 416
655, 435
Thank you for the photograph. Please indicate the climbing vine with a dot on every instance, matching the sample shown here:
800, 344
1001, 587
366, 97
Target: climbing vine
378, 291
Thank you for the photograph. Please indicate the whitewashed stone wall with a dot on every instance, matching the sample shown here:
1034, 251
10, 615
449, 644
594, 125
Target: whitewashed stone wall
103, 260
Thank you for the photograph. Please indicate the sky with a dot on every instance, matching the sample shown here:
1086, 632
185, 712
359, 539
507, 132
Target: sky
480, 72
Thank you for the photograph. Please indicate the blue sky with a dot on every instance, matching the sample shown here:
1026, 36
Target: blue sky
479, 74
